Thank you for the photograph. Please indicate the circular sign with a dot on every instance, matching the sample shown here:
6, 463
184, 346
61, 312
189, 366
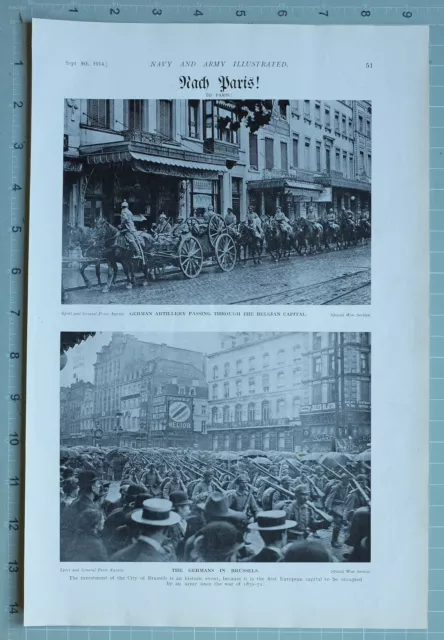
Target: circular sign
98, 434
179, 411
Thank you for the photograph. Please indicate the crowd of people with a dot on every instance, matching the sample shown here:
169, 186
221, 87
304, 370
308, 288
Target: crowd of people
192, 509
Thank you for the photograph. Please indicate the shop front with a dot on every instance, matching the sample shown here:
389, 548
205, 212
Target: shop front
323, 429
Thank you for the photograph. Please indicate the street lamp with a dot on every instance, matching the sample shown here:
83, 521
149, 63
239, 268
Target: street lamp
118, 429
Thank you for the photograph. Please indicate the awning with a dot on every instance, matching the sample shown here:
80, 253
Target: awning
172, 162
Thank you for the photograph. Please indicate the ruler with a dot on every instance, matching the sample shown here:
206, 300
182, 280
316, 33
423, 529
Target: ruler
14, 150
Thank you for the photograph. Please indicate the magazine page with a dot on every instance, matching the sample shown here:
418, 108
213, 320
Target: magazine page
228, 326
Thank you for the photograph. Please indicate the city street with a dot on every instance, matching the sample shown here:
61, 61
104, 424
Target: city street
335, 277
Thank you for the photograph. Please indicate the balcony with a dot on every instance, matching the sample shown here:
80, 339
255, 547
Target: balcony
291, 174
337, 179
245, 424
134, 135
225, 150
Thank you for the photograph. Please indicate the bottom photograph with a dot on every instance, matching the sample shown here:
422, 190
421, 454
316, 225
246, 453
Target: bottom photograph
215, 447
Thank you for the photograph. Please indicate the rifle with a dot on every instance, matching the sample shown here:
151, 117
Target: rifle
320, 493
323, 515
200, 475
356, 483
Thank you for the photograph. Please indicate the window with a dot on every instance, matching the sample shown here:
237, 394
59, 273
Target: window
203, 426
327, 118
364, 363
226, 414
369, 165
226, 389
368, 128
350, 128
192, 391
317, 341
295, 377
166, 118
281, 440
181, 391
307, 154
238, 413
280, 380
337, 121
295, 153
238, 366
238, 388
251, 385
284, 156
307, 109
252, 441
317, 393
265, 410
265, 382
254, 161
193, 118
318, 156
327, 160
344, 125
338, 160
331, 364
215, 392
281, 356
317, 113
218, 120
213, 415
295, 408
251, 364
331, 391
280, 408
269, 153
135, 115
317, 367
365, 391
215, 372
363, 339
283, 109
361, 162
239, 442
233, 342
226, 369
99, 113
351, 170
266, 360
344, 163
360, 124
266, 441
251, 412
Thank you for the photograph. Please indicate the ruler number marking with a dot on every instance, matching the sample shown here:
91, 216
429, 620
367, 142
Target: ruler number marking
14, 397
13, 608
114, 12
407, 14
16, 229
323, 13
13, 525
282, 13
239, 14
157, 12
366, 13
74, 10
19, 145
14, 482
14, 439
13, 566
16, 187
16, 271
18, 105
198, 13
16, 313
14, 355
20, 62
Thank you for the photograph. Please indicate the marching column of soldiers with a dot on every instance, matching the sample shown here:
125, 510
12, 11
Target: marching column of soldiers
185, 509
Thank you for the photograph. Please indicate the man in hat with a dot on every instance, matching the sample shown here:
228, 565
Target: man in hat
164, 227
359, 536
278, 496
272, 527
152, 522
173, 484
178, 533
216, 507
152, 480
242, 499
335, 494
129, 230
112, 537
254, 222
331, 218
299, 511
282, 220
204, 487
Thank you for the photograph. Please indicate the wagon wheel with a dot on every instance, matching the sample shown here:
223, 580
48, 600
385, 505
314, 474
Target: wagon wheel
190, 256
226, 252
216, 226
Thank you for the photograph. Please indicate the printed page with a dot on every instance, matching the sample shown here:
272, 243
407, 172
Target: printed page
228, 325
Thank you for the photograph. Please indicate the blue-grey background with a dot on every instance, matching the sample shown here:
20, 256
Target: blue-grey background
14, 151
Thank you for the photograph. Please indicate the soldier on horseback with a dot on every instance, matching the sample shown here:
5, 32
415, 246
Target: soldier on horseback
129, 231
254, 223
282, 220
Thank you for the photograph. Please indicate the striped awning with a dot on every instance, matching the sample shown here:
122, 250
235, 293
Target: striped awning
173, 162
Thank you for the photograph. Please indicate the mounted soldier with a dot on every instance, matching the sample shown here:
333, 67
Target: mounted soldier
254, 223
282, 220
164, 227
129, 231
230, 220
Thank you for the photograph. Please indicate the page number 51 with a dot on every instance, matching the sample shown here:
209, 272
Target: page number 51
369, 65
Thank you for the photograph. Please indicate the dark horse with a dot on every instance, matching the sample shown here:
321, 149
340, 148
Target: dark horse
251, 244
331, 234
117, 251
308, 235
90, 242
278, 241
363, 231
348, 230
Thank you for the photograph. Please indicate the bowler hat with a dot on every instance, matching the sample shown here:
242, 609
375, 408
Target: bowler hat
307, 551
86, 479
134, 490
271, 521
156, 512
217, 506
179, 499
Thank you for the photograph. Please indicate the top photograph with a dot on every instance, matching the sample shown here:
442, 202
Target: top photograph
216, 202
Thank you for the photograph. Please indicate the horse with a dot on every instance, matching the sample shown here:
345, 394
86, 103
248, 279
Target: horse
278, 241
309, 235
348, 230
331, 234
117, 251
363, 231
90, 242
248, 240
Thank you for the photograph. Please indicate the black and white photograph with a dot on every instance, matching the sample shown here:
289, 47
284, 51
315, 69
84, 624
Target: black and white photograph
215, 447
216, 202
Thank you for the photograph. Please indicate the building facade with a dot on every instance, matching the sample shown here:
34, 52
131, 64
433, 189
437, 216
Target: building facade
77, 413
176, 156
336, 409
129, 373
254, 384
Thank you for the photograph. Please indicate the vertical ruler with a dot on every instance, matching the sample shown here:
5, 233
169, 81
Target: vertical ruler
14, 154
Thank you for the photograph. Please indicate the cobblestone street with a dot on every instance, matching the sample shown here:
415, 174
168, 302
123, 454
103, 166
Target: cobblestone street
336, 277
